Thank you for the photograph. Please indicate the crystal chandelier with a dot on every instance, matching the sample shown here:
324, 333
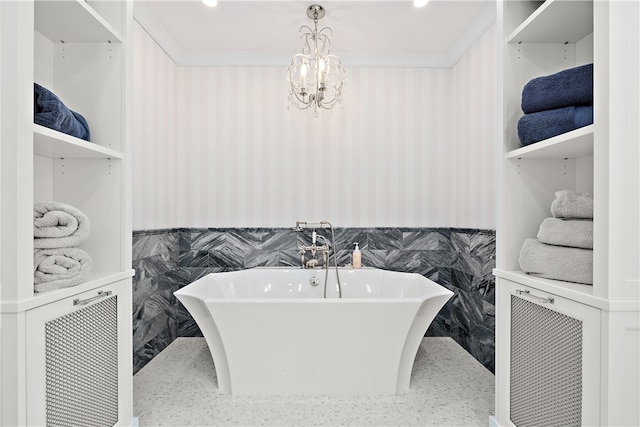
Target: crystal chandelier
315, 77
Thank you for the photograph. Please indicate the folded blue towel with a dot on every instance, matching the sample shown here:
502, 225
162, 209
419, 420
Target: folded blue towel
535, 127
49, 111
564, 89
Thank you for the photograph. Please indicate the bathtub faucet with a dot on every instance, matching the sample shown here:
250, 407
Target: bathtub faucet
325, 249
314, 249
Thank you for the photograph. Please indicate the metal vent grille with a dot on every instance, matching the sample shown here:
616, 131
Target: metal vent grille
546, 366
82, 367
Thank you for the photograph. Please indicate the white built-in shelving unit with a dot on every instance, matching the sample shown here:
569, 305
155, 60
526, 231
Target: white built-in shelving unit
80, 50
536, 39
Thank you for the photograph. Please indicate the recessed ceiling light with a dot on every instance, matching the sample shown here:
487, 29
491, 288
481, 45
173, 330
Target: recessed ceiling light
210, 3
420, 3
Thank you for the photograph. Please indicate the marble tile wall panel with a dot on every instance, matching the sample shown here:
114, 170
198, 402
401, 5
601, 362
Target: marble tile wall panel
155, 255
459, 259
155, 315
154, 252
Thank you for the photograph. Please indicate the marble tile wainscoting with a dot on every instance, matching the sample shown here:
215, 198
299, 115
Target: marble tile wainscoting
167, 259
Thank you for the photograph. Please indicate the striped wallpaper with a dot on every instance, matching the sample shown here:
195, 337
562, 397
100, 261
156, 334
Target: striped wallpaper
217, 147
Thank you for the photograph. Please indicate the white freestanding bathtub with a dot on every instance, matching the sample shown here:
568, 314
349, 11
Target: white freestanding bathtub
270, 331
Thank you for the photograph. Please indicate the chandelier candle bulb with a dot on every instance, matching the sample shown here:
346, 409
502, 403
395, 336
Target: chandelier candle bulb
321, 71
303, 76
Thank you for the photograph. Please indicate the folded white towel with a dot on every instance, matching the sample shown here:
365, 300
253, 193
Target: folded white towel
59, 268
576, 233
58, 225
572, 204
557, 262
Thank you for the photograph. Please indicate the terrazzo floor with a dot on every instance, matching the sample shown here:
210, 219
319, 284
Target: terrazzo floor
448, 388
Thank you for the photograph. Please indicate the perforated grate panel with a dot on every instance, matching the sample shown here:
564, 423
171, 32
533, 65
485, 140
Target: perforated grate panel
546, 366
82, 366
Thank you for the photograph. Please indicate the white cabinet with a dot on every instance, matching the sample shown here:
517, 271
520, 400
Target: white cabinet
548, 364
542, 38
80, 51
78, 357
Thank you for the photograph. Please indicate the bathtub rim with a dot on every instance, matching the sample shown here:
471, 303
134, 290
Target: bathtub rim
435, 289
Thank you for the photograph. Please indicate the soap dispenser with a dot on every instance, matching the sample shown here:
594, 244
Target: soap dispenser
357, 257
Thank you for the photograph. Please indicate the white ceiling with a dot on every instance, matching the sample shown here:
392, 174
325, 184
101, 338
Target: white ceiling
365, 33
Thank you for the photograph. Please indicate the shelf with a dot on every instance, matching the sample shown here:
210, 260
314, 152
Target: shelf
56, 145
556, 21
571, 145
95, 280
72, 21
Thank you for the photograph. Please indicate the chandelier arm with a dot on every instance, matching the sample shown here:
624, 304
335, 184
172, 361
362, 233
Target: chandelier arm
306, 49
324, 40
301, 105
336, 97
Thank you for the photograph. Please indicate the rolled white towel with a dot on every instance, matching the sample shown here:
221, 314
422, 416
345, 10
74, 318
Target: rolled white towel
557, 262
576, 233
572, 204
58, 225
59, 268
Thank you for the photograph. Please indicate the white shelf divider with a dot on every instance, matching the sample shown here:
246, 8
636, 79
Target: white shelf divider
57, 145
556, 21
571, 145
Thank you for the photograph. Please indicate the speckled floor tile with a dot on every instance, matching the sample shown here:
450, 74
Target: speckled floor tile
448, 388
